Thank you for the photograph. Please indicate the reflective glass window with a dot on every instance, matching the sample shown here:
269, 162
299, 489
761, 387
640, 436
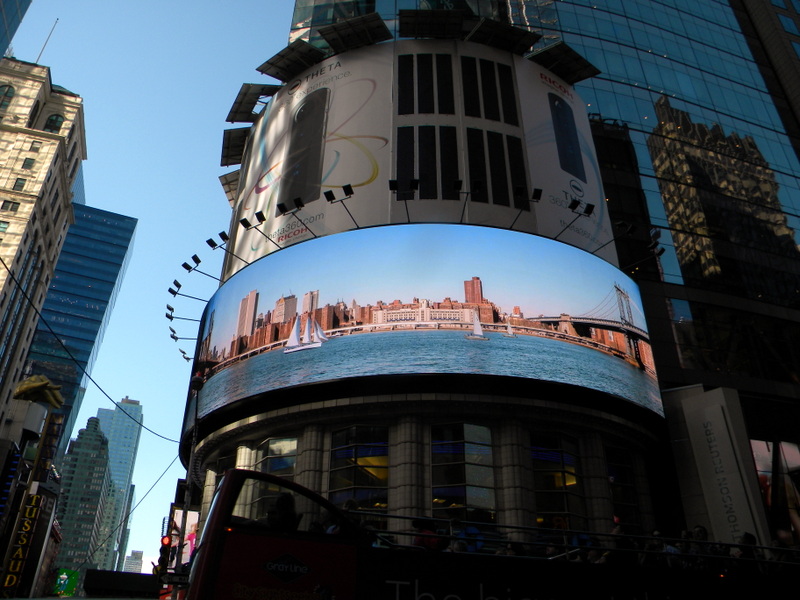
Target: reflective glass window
557, 484
6, 94
462, 472
621, 480
788, 24
359, 468
53, 123
279, 457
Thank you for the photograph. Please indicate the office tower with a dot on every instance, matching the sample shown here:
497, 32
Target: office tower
473, 291
133, 562
83, 506
247, 314
561, 153
11, 14
122, 427
78, 305
697, 155
285, 309
44, 143
310, 301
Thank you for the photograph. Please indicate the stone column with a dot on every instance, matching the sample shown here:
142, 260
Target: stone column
244, 460
599, 504
209, 487
513, 476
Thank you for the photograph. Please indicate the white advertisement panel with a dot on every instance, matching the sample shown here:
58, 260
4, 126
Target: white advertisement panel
433, 298
422, 131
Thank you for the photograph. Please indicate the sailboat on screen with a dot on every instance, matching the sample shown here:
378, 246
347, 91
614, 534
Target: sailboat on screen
477, 330
313, 336
509, 332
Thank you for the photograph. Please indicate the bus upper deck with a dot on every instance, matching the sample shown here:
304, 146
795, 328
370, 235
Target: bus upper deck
266, 537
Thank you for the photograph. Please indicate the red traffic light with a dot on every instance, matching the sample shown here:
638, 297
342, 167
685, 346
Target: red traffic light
166, 540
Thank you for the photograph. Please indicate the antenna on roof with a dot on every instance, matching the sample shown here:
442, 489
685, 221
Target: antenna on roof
45, 42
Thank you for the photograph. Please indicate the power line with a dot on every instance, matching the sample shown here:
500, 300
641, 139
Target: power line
73, 359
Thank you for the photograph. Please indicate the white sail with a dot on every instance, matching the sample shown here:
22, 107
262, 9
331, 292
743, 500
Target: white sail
476, 324
319, 335
294, 337
295, 344
477, 330
509, 332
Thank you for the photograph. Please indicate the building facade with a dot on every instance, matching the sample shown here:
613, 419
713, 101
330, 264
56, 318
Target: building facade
122, 427
82, 294
44, 144
492, 140
83, 505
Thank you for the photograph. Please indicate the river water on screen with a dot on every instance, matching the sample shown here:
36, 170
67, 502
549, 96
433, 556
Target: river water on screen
400, 352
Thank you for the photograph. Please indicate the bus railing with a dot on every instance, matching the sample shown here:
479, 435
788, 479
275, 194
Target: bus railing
686, 552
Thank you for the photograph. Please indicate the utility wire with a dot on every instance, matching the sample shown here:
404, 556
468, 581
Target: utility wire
73, 359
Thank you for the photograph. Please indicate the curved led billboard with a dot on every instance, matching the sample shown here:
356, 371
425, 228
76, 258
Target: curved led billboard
412, 132
435, 298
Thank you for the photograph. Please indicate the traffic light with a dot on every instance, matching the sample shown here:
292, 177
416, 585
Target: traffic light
164, 552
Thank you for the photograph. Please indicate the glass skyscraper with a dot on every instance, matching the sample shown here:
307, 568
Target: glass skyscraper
78, 305
123, 428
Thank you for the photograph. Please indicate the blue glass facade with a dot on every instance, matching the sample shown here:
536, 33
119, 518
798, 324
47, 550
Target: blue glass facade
82, 293
711, 175
11, 13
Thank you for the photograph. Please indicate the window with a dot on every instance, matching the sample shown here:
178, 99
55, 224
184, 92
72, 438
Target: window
359, 472
462, 472
789, 25
53, 123
6, 94
10, 205
621, 479
4, 226
557, 483
34, 114
280, 457
19, 184
36, 145
28, 163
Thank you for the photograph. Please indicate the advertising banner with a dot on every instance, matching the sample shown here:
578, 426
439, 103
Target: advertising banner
433, 298
410, 132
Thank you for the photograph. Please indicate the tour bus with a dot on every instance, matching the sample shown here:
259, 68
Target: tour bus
268, 538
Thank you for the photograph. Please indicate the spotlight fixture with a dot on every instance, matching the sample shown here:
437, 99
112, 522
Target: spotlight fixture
261, 219
330, 196
225, 239
298, 205
588, 209
196, 260
519, 192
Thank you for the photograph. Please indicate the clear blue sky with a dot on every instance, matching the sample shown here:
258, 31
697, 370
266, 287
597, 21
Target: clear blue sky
157, 79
